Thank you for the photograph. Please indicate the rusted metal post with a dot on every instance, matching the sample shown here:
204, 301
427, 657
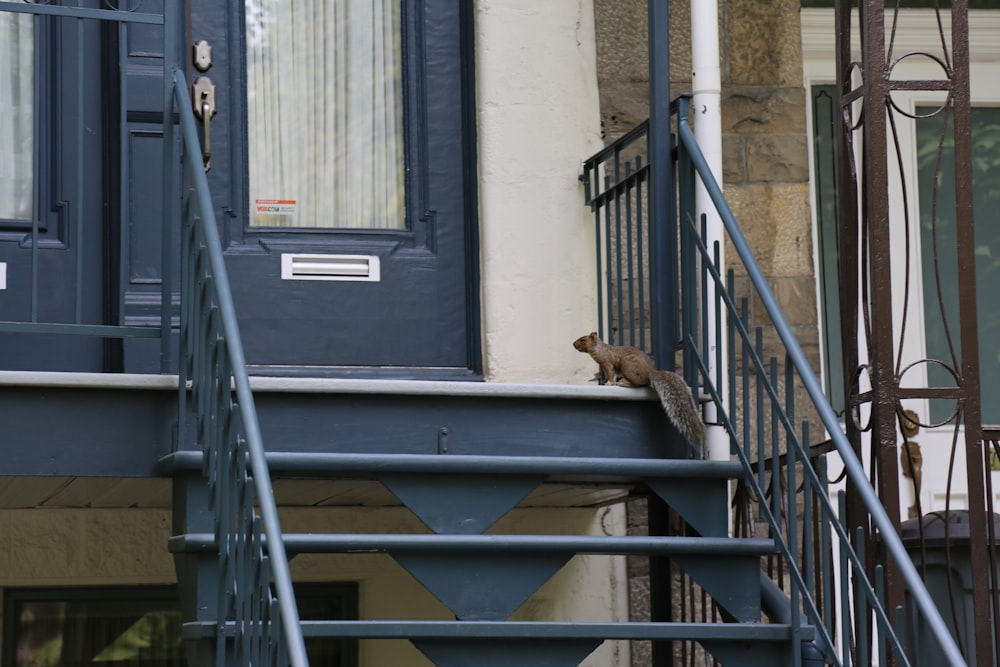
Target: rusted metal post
971, 414
869, 235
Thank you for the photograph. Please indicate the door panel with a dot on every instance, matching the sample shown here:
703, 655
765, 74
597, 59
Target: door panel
140, 207
65, 274
417, 313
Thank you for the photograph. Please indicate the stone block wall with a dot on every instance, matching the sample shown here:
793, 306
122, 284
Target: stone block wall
765, 151
765, 157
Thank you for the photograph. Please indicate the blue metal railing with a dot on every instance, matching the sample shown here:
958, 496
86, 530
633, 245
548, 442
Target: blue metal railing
757, 413
616, 188
257, 624
45, 306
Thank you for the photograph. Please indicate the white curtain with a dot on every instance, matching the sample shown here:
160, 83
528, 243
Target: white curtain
16, 115
324, 89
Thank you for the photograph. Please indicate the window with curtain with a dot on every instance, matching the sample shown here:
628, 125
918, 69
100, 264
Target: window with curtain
16, 115
325, 113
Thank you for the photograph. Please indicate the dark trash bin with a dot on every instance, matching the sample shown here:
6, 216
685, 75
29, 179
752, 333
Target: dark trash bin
946, 543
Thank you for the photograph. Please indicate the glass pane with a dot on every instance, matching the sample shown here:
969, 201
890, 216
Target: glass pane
825, 189
131, 632
141, 626
17, 82
941, 226
325, 115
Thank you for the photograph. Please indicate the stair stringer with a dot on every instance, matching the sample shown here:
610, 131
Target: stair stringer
733, 582
702, 502
465, 505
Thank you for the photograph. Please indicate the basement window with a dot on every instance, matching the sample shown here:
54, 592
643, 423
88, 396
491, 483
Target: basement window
138, 626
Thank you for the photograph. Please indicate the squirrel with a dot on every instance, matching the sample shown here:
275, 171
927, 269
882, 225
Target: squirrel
636, 368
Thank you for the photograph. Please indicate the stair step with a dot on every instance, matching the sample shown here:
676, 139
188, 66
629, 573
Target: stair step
301, 464
301, 543
723, 632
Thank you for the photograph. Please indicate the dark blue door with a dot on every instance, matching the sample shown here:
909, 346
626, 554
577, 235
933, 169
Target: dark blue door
55, 236
342, 172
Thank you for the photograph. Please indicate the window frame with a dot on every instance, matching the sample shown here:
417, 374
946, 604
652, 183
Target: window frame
342, 598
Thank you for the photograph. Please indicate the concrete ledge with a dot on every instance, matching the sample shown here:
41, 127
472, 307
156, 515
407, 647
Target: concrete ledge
332, 386
86, 380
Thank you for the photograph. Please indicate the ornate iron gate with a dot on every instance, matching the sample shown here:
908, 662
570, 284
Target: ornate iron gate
879, 379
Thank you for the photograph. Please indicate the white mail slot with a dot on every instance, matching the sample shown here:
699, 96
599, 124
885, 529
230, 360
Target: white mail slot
363, 268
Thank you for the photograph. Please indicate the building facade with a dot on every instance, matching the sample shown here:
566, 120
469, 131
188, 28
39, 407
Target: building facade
397, 189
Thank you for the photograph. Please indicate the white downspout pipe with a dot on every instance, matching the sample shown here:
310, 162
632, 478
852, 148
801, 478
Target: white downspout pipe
706, 116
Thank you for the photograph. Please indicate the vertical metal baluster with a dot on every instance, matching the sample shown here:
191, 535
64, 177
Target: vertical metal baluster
688, 324
717, 306
748, 396
825, 554
640, 253
759, 396
608, 264
808, 537
619, 288
793, 543
879, 632
915, 641
731, 351
704, 292
900, 625
861, 605
777, 498
846, 624
630, 262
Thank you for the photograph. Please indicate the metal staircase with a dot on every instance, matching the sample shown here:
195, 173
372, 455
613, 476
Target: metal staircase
232, 558
483, 578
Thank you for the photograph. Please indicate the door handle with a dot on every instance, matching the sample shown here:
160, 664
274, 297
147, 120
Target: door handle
203, 99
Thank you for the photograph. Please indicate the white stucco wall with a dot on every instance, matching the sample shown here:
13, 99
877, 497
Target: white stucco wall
538, 119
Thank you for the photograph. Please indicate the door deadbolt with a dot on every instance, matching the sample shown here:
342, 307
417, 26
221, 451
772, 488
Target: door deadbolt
202, 56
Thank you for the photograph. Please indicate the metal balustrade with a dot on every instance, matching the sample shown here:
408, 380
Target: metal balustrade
836, 589
256, 624
822, 567
616, 182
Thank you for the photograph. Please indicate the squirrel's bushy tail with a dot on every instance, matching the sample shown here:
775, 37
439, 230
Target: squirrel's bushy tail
675, 396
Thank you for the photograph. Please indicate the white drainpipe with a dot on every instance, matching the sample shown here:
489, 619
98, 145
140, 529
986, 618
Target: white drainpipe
706, 116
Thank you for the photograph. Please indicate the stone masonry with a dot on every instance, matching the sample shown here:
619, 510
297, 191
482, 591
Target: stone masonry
765, 153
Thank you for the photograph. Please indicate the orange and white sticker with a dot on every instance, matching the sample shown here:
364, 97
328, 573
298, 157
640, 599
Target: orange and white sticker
274, 206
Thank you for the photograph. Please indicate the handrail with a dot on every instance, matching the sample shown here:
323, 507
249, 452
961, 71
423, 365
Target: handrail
212, 353
891, 542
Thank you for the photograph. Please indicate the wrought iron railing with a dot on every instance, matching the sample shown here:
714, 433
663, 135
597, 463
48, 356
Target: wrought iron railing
833, 589
46, 294
823, 566
616, 184
258, 621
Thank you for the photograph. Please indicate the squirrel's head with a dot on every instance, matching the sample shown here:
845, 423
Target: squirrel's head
585, 343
